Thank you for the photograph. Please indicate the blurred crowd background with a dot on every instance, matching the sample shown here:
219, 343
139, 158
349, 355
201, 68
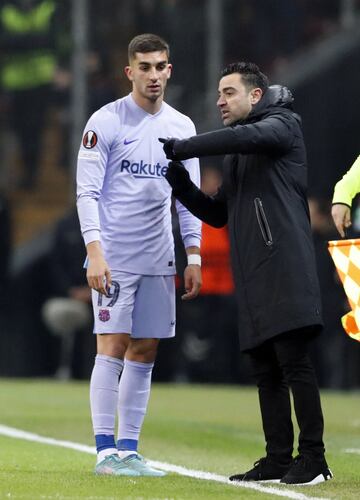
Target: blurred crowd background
62, 60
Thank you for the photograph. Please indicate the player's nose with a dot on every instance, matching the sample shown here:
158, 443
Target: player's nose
154, 74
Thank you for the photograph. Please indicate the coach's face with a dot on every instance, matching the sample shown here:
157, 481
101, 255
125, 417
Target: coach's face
149, 74
235, 98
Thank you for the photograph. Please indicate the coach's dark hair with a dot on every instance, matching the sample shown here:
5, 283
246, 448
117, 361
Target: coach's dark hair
147, 43
250, 74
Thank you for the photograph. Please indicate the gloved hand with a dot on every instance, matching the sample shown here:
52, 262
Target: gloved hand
168, 147
178, 177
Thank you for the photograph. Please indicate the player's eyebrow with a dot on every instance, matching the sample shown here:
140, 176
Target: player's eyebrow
146, 63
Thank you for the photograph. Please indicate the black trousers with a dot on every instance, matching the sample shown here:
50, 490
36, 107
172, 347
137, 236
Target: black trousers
279, 364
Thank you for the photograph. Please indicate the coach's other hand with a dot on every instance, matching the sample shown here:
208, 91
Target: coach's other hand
178, 177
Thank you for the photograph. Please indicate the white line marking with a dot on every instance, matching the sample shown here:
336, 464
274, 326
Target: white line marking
197, 474
352, 450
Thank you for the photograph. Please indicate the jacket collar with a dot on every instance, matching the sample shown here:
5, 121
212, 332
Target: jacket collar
276, 96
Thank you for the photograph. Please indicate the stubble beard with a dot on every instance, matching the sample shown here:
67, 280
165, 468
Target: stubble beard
155, 97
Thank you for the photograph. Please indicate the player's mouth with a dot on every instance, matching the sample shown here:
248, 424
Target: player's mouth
224, 114
154, 88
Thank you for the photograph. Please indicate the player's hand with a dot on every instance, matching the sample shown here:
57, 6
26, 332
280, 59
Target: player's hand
192, 281
341, 215
98, 275
178, 177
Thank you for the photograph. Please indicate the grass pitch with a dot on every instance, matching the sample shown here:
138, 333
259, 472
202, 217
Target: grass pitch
214, 429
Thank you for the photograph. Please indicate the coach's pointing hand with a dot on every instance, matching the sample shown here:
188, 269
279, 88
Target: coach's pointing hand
168, 147
172, 148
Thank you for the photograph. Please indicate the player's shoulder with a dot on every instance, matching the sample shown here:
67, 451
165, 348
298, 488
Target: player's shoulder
106, 120
108, 112
177, 115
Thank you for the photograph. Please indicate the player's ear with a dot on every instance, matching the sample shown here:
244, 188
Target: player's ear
128, 72
170, 67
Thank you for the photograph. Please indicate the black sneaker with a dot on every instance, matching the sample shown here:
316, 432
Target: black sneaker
263, 470
307, 471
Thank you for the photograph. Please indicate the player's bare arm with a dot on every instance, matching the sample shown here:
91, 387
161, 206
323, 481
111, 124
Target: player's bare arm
98, 272
192, 274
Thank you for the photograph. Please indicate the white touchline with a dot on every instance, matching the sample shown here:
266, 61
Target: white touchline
352, 450
197, 474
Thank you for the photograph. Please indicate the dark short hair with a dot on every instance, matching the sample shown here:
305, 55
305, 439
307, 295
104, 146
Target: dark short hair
250, 74
147, 43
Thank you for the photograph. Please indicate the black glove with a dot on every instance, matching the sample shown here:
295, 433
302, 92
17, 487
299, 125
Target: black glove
178, 177
168, 147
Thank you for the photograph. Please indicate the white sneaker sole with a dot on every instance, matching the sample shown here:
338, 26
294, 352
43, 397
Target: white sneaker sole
317, 480
267, 481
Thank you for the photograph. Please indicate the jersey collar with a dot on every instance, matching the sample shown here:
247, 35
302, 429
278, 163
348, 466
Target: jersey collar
135, 107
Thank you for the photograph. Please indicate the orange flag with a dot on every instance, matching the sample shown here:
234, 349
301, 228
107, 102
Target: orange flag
346, 255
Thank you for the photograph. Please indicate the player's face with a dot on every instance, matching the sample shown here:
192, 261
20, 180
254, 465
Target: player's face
235, 99
149, 74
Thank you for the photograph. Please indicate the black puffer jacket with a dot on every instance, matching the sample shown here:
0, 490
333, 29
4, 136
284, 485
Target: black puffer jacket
263, 200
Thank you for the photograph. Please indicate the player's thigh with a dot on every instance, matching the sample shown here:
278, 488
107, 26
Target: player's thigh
154, 309
113, 313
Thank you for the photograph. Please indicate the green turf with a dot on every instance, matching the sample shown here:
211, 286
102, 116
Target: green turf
215, 429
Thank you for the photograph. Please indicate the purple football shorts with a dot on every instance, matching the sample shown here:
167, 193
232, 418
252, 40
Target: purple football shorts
142, 306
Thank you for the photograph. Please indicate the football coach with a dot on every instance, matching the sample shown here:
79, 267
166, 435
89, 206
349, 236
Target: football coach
263, 201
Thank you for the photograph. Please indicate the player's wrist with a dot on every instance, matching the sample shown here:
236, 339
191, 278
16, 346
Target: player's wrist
194, 259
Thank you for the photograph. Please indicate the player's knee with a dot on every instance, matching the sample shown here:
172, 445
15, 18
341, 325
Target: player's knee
142, 350
113, 345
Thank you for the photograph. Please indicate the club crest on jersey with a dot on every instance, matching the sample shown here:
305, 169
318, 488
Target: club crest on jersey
104, 315
89, 139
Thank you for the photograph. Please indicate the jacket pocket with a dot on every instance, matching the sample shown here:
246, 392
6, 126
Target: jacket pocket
263, 223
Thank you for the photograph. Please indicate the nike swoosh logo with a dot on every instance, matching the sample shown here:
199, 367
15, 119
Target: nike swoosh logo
129, 142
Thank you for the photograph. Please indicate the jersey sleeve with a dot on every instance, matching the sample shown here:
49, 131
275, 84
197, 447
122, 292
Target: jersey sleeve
190, 226
91, 168
348, 187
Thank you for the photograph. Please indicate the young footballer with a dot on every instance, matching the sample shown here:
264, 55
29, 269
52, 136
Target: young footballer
124, 204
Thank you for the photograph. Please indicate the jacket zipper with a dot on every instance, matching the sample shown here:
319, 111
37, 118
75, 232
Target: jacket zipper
263, 223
